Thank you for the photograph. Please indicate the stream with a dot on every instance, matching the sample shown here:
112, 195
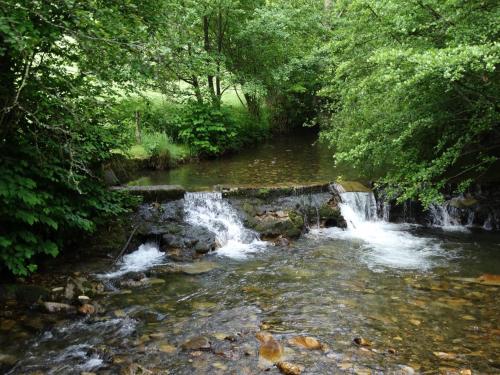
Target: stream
409, 292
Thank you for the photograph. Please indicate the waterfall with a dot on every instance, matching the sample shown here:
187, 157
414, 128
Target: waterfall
385, 244
447, 217
210, 210
358, 208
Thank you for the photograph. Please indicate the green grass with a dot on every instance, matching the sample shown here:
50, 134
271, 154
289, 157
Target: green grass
159, 116
159, 144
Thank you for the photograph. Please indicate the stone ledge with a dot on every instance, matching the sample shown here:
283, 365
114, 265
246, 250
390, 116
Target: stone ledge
272, 191
154, 193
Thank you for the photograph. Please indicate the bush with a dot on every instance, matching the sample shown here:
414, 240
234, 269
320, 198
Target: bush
207, 130
46, 202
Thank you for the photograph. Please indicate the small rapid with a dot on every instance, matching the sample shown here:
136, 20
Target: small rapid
385, 244
210, 210
146, 256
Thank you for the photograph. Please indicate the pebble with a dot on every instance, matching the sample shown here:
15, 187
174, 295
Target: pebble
288, 368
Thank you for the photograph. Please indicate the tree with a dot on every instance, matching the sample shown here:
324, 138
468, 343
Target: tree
59, 61
414, 92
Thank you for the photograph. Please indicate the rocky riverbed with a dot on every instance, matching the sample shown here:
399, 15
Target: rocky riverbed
270, 281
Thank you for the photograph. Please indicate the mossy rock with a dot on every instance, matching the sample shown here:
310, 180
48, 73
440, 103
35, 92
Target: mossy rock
331, 217
271, 227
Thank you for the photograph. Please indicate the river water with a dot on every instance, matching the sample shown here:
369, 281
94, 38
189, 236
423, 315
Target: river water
411, 292
282, 161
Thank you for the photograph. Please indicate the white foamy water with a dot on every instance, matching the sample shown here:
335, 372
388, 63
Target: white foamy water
383, 243
211, 211
447, 217
146, 256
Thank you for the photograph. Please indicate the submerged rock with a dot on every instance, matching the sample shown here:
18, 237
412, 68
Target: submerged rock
196, 268
56, 307
167, 348
361, 341
7, 360
288, 368
446, 356
489, 279
197, 343
270, 349
305, 342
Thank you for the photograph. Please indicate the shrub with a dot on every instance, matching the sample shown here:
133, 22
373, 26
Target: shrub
207, 130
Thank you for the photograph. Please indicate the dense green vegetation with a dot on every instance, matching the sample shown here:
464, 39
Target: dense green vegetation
414, 91
407, 92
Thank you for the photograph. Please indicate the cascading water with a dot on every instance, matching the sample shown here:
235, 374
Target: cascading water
386, 244
211, 211
146, 256
448, 217
358, 208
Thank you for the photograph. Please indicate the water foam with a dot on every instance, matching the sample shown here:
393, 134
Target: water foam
146, 256
384, 244
447, 217
211, 211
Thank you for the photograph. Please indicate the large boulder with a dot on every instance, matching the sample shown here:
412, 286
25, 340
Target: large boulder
273, 224
189, 242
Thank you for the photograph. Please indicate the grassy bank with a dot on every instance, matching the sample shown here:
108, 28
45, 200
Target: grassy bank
168, 133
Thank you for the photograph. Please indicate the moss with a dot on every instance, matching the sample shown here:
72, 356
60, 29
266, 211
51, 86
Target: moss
296, 219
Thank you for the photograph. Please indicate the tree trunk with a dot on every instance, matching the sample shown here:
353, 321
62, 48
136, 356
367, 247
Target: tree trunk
7, 89
210, 78
197, 90
253, 105
138, 136
220, 36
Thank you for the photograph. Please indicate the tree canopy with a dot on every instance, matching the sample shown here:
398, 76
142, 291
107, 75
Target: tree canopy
413, 90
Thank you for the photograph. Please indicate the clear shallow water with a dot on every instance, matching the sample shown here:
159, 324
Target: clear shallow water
409, 290
334, 287
283, 160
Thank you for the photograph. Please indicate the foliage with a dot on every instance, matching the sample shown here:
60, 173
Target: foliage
207, 130
414, 92
55, 130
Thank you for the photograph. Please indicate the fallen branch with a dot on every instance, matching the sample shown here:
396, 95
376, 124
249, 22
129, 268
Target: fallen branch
126, 245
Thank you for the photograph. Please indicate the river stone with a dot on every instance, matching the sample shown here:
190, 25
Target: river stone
86, 309
288, 368
83, 299
270, 349
197, 343
196, 268
167, 348
361, 341
274, 224
55, 307
489, 279
305, 342
7, 360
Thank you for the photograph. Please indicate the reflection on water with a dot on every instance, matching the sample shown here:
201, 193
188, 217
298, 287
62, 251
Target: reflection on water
280, 161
